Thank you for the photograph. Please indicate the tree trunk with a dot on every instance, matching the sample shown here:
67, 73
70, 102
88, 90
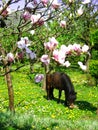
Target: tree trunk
8, 80
46, 70
10, 89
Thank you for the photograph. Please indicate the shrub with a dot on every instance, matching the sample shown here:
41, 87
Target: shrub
93, 68
94, 54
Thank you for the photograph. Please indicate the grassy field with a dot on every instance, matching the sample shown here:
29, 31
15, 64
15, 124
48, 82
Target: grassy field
34, 112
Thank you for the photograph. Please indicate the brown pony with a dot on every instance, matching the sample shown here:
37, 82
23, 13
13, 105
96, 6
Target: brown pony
61, 81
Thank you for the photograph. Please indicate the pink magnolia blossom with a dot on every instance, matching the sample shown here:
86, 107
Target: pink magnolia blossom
37, 19
4, 13
10, 57
55, 55
45, 2
45, 59
51, 45
35, 2
69, 49
53, 41
64, 49
59, 56
55, 4
63, 24
19, 55
26, 16
39, 78
85, 48
77, 48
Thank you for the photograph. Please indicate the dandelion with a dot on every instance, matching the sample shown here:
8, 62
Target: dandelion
53, 116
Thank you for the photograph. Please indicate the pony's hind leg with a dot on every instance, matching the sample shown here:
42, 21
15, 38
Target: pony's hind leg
60, 92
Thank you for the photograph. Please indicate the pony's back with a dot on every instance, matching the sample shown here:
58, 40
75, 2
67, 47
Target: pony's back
67, 83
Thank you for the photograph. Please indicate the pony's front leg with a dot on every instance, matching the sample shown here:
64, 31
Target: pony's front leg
51, 93
66, 99
60, 91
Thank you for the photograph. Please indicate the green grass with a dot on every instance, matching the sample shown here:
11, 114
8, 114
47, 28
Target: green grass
34, 112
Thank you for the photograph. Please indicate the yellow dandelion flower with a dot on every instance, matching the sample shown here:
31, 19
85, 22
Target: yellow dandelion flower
48, 129
53, 116
33, 126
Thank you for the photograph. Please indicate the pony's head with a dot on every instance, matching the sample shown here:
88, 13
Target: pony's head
71, 99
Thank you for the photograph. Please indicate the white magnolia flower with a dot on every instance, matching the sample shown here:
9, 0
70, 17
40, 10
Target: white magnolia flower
23, 43
1, 8
67, 64
85, 48
32, 32
63, 24
86, 1
80, 63
80, 11
9, 10
10, 57
64, 48
0, 58
83, 67
32, 55
70, 1
28, 50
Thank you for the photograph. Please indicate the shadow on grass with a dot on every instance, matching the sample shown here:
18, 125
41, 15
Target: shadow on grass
83, 105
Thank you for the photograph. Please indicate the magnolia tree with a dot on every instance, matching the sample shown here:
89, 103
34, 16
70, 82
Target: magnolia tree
13, 45
60, 55
17, 40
